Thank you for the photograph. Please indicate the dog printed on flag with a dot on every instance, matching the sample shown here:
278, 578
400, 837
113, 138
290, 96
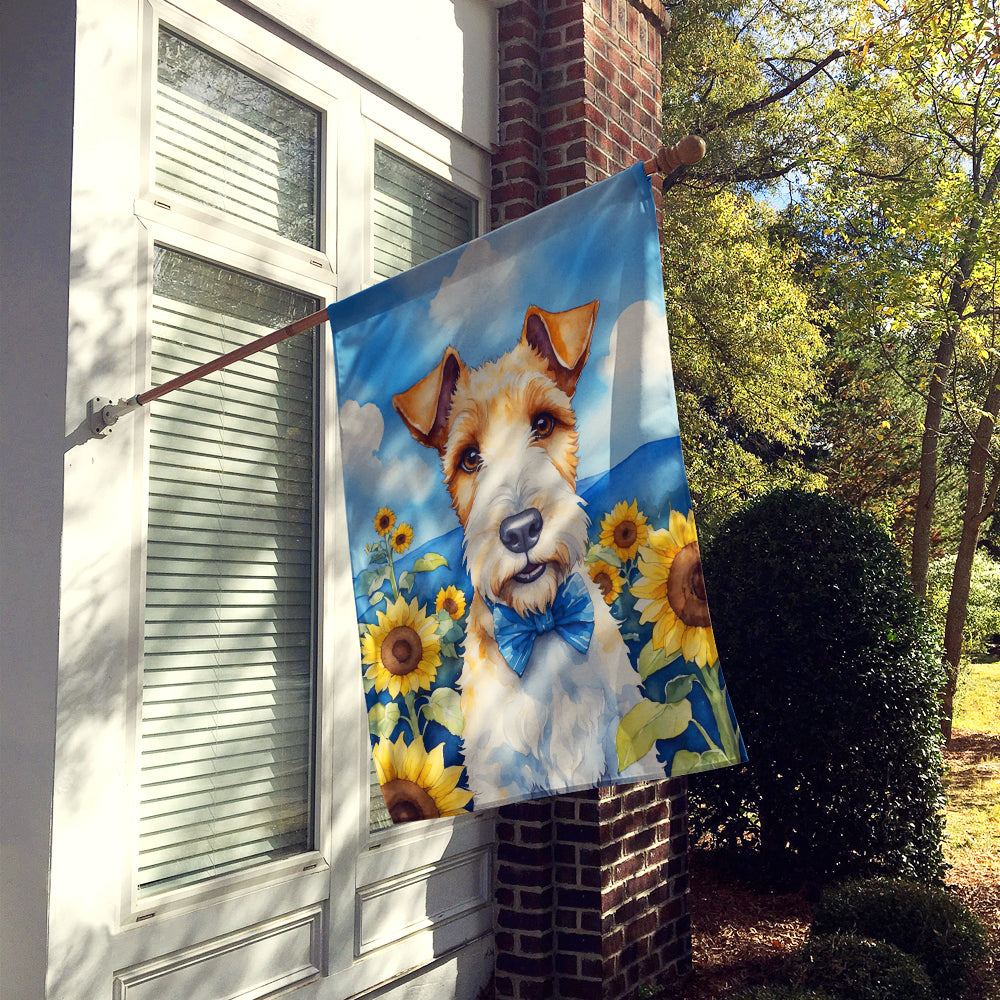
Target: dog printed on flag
531, 609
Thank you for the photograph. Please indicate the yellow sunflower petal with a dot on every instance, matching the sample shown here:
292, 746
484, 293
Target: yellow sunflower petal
385, 521
678, 528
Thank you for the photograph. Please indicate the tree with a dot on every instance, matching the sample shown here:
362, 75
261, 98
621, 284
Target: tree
747, 353
747, 358
913, 185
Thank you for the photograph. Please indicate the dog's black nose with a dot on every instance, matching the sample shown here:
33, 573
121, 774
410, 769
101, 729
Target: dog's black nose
520, 532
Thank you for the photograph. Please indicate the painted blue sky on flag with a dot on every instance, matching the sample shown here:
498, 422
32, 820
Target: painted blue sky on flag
590, 267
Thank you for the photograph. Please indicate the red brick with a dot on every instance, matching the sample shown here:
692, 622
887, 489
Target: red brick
576, 941
521, 130
581, 989
570, 52
566, 174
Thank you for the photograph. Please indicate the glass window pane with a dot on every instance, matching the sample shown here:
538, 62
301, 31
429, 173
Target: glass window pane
231, 141
228, 677
416, 215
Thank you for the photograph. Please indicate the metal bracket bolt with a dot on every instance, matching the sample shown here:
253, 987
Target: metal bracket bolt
103, 413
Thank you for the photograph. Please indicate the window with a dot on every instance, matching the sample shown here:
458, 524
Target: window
228, 140
415, 217
228, 687
229, 646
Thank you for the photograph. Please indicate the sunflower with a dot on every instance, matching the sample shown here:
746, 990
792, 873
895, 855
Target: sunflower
624, 530
415, 783
607, 578
671, 592
402, 537
402, 650
452, 600
385, 519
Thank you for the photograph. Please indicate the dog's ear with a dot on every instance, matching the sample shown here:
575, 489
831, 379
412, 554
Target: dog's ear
424, 407
562, 339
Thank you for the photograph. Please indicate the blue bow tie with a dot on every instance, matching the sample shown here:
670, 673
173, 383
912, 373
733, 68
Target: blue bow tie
571, 615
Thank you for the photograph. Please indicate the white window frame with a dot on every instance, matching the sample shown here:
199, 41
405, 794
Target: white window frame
181, 224
350, 871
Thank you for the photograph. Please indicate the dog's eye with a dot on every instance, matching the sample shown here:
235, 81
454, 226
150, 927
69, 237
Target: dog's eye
470, 460
543, 425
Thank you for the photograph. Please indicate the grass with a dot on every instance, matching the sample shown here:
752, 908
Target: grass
973, 783
978, 698
972, 848
743, 935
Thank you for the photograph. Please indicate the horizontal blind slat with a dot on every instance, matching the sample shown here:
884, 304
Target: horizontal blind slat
228, 645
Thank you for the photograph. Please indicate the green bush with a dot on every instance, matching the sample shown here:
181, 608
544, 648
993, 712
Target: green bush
834, 675
856, 968
982, 618
782, 993
925, 922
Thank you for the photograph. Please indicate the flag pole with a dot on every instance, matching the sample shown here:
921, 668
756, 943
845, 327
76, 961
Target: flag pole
687, 152
103, 413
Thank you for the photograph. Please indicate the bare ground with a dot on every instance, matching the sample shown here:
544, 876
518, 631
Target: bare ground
742, 935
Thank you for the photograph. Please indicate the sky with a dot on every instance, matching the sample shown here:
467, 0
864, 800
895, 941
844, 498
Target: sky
601, 243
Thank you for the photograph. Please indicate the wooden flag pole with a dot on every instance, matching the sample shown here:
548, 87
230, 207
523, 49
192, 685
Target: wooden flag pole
103, 413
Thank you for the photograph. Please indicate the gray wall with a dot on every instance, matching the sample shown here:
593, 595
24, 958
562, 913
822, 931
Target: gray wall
36, 129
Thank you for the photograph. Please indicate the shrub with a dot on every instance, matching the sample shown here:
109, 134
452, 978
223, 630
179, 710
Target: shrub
782, 993
982, 619
925, 922
834, 675
856, 968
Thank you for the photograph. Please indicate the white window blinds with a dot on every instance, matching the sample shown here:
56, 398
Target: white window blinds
228, 140
228, 678
416, 216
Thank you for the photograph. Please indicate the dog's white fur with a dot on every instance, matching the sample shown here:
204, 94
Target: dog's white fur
506, 434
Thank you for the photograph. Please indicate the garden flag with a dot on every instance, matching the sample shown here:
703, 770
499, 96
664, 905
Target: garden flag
531, 609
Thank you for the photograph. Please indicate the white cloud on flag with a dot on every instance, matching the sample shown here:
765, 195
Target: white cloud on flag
400, 482
479, 286
637, 370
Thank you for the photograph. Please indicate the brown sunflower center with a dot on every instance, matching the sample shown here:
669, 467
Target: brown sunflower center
625, 534
401, 650
450, 605
603, 580
407, 801
686, 587
384, 523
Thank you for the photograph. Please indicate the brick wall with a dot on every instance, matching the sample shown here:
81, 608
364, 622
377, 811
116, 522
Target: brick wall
579, 96
591, 889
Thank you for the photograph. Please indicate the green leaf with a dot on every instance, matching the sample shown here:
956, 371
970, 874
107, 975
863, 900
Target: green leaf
428, 562
679, 688
445, 707
448, 651
376, 598
648, 722
406, 581
689, 762
609, 556
651, 660
375, 580
382, 719
448, 630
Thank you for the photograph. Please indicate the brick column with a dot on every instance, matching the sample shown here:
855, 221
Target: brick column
591, 889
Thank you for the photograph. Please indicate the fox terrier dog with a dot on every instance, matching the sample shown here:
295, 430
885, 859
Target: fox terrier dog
546, 676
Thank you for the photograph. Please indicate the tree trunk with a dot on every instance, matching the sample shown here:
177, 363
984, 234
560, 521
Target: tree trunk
979, 504
958, 299
920, 553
